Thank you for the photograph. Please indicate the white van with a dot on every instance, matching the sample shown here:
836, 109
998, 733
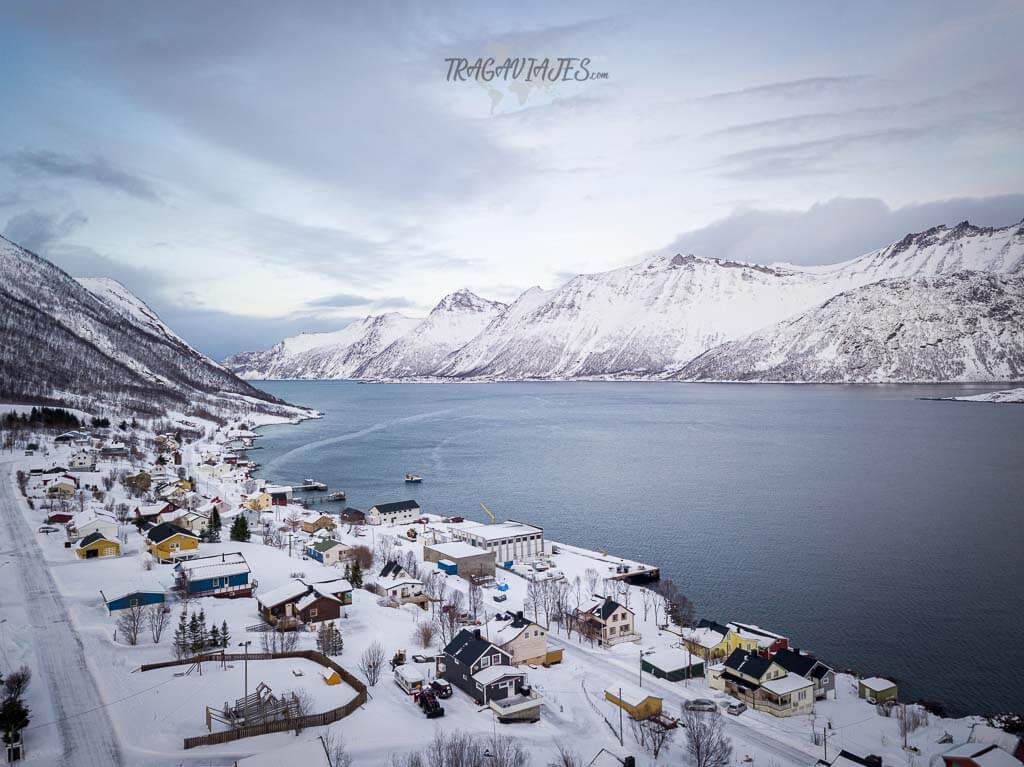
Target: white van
409, 679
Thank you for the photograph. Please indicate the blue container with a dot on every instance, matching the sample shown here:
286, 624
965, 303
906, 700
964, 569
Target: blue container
448, 567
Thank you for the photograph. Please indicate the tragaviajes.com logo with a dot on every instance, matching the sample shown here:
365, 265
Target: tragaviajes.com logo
528, 70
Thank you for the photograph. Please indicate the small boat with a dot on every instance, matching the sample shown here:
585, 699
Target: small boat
336, 496
413, 478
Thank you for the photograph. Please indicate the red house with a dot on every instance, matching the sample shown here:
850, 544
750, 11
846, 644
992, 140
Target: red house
768, 643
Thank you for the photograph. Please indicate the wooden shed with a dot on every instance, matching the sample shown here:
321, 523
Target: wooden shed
672, 664
636, 702
95, 546
876, 689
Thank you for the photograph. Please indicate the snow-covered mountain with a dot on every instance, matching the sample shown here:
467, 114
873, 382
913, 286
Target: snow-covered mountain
92, 344
457, 319
652, 318
964, 326
337, 354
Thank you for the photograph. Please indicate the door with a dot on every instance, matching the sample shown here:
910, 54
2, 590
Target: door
91, 554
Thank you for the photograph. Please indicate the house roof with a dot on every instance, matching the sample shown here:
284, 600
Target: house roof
787, 684
396, 506
629, 694
311, 599
492, 674
670, 659
603, 607
846, 759
795, 662
749, 663
503, 628
331, 587
877, 684
467, 647
286, 592
166, 530
458, 550
705, 637
216, 566
704, 623
498, 531
327, 545
93, 538
391, 569
765, 639
984, 755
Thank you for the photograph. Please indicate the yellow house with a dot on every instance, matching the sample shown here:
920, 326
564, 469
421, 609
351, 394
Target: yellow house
713, 641
168, 543
323, 522
259, 502
95, 546
639, 704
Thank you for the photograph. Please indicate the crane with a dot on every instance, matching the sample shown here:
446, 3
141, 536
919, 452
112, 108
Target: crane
489, 514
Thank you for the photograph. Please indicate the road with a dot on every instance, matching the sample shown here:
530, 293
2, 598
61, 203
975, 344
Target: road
609, 667
86, 733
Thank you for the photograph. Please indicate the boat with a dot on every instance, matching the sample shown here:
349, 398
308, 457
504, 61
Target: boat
413, 478
338, 495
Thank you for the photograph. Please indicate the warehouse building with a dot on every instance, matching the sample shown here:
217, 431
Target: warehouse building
470, 561
510, 541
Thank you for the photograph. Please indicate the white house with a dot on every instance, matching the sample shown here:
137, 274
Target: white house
395, 583
520, 637
607, 621
82, 460
397, 513
90, 521
510, 541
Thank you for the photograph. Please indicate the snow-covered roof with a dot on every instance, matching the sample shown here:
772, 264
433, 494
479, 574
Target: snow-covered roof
217, 566
458, 549
500, 530
986, 733
311, 597
308, 753
90, 516
494, 673
331, 587
787, 684
705, 637
293, 589
877, 684
501, 631
670, 659
277, 489
629, 694
763, 637
984, 755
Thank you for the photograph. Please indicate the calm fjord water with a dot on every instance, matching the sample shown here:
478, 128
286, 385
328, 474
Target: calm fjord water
878, 530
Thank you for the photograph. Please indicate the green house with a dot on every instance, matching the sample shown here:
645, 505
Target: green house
672, 664
876, 689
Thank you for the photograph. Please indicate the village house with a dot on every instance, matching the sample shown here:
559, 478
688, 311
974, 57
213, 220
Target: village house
280, 495
635, 701
821, 675
484, 672
140, 482
96, 546
92, 521
876, 689
114, 450
155, 513
606, 621
763, 684
175, 491
259, 502
979, 755
330, 552
323, 522
712, 641
83, 460
351, 516
73, 437
523, 640
169, 543
768, 643
300, 602
672, 664
61, 487
397, 513
848, 759
219, 575
194, 521
394, 583
137, 598
469, 561
510, 541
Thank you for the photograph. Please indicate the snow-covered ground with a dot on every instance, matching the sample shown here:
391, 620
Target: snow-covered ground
1014, 396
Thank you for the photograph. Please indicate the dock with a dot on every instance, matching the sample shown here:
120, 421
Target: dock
617, 568
310, 486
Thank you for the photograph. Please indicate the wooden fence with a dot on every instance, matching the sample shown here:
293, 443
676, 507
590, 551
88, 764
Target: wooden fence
282, 725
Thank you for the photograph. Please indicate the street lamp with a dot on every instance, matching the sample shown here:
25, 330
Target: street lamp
246, 646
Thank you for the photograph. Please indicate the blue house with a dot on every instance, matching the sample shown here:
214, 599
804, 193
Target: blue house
137, 598
220, 575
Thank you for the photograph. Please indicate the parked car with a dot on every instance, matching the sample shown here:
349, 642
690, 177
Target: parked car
441, 688
500, 597
422, 658
700, 704
736, 708
47, 529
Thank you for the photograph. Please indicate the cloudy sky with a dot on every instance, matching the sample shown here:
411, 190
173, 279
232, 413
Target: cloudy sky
252, 171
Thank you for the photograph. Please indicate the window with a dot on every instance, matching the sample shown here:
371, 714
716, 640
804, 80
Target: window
802, 695
312, 612
485, 661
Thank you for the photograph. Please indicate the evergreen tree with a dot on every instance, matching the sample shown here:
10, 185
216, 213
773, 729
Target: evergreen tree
348, 572
225, 637
181, 642
14, 717
204, 637
213, 530
214, 636
194, 634
240, 529
355, 575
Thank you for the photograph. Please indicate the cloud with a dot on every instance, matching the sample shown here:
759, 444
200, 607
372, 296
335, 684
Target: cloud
338, 301
836, 230
808, 87
37, 231
97, 170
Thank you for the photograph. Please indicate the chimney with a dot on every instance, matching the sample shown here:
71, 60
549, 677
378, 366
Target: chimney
629, 761
476, 633
519, 616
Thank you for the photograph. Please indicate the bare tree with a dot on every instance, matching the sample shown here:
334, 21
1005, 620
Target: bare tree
448, 618
277, 640
651, 735
410, 564
476, 599
677, 606
706, 741
533, 597
565, 757
506, 751
334, 742
293, 520
364, 556
157, 618
646, 602
129, 623
371, 663
423, 634
593, 578
16, 682
385, 548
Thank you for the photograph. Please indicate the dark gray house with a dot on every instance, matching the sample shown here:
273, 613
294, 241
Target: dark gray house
485, 672
809, 667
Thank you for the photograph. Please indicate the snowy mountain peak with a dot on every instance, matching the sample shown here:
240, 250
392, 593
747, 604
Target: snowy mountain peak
465, 300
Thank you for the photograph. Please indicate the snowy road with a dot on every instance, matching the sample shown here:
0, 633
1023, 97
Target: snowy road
86, 733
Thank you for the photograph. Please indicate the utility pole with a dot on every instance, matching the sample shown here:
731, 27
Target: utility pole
246, 646
825, 731
620, 716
